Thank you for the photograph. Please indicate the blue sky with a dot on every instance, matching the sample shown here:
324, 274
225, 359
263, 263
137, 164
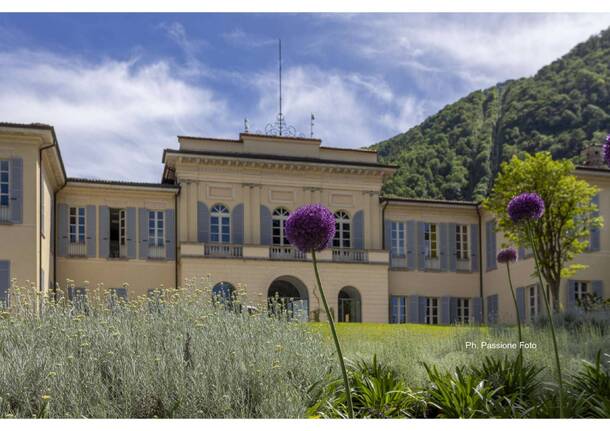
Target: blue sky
119, 87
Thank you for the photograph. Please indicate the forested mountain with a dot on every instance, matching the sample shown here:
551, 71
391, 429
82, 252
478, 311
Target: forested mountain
455, 153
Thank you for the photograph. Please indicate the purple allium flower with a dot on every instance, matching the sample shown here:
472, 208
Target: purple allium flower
526, 206
507, 255
607, 151
311, 227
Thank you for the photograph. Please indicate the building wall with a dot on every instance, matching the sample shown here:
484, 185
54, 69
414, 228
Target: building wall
140, 273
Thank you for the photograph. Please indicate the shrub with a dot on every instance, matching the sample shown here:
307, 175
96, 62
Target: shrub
593, 384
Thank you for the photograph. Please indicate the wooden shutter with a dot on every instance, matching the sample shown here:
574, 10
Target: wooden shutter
443, 245
413, 309
452, 247
387, 235
265, 226
170, 234
422, 309
490, 241
63, 229
452, 310
16, 192
477, 312
131, 232
520, 294
445, 314
203, 222
474, 247
143, 233
104, 231
570, 292
358, 230
237, 224
411, 234
421, 246
91, 231
5, 282
598, 288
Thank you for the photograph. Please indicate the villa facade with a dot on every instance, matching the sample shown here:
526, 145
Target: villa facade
220, 209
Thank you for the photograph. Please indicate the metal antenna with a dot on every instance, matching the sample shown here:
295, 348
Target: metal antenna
246, 125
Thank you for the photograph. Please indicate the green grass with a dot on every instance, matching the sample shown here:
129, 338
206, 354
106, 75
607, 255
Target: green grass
407, 346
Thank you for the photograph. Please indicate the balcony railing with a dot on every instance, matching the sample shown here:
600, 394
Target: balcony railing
223, 250
349, 255
156, 252
462, 265
77, 249
433, 263
5, 213
286, 252
398, 261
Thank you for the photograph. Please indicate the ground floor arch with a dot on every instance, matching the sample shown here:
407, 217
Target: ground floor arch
289, 294
350, 305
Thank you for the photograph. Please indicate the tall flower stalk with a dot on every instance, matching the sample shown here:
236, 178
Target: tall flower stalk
508, 256
311, 228
526, 209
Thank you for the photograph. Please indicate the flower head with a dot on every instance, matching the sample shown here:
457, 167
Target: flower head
526, 206
607, 150
311, 227
507, 255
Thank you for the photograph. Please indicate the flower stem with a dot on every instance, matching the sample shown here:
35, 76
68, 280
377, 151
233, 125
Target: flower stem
512, 291
550, 314
333, 330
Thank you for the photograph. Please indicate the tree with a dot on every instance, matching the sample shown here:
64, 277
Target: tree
563, 231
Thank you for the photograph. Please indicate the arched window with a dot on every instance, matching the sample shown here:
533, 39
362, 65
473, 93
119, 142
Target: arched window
223, 291
220, 224
343, 234
280, 215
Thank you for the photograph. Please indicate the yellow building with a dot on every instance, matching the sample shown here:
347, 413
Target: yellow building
220, 209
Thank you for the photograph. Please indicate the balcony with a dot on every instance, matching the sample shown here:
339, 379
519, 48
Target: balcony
156, 252
223, 250
462, 265
77, 249
349, 255
433, 264
5, 214
286, 252
399, 262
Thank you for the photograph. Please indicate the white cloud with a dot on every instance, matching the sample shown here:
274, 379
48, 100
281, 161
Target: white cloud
112, 118
240, 38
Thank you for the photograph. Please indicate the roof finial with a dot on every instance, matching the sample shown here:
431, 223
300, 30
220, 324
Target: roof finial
246, 125
312, 119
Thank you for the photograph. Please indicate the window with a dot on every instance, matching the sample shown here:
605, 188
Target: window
463, 310
280, 215
432, 311
581, 289
220, 224
431, 240
343, 232
533, 301
77, 225
398, 312
155, 229
118, 233
398, 238
4, 184
461, 242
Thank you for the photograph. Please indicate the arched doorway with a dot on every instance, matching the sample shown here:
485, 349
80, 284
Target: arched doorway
289, 294
350, 305
223, 292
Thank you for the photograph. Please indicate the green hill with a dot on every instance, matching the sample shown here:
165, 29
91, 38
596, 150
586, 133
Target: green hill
455, 153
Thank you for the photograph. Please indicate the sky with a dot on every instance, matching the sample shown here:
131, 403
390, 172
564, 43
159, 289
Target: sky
119, 88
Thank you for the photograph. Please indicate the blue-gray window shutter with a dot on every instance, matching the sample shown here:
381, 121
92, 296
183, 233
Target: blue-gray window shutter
358, 228
492, 308
421, 247
598, 288
203, 222
520, 294
474, 247
105, 231
121, 292
265, 225
43, 281
444, 247
413, 309
394, 308
16, 192
445, 310
477, 312
237, 224
422, 310
170, 234
452, 247
490, 230
143, 233
595, 236
91, 228
387, 235
62, 229
570, 292
411, 251
131, 233
5, 281
521, 253
452, 310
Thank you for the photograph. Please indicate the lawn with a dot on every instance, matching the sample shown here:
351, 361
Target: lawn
407, 346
